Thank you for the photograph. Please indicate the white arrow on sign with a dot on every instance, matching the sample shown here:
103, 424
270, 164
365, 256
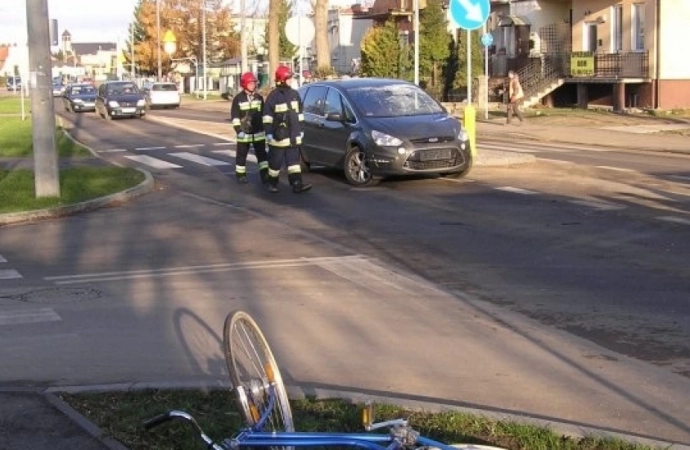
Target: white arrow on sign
473, 11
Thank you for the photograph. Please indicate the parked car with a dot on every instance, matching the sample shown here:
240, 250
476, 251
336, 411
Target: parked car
372, 128
164, 95
79, 97
14, 83
58, 88
120, 99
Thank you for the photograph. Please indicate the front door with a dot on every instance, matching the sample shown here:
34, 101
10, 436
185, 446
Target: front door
590, 37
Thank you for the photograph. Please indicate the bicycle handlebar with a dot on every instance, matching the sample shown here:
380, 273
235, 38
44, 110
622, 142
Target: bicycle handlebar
176, 414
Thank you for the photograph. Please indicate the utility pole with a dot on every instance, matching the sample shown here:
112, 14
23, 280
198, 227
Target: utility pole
46, 174
243, 36
158, 39
203, 39
415, 6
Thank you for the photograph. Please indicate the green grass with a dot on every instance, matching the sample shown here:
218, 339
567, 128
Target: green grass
12, 104
121, 415
16, 140
77, 184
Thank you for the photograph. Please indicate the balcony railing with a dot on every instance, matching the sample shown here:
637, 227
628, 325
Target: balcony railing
619, 65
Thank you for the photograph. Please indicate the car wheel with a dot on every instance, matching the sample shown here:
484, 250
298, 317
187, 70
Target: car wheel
357, 170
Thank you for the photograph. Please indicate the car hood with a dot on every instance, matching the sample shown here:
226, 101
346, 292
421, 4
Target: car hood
417, 127
84, 97
125, 98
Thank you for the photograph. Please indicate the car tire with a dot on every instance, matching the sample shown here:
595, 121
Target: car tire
357, 171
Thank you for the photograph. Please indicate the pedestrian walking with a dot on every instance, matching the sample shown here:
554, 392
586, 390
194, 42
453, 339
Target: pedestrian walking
515, 96
246, 116
282, 121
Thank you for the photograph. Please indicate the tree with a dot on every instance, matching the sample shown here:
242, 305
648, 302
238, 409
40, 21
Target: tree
477, 60
185, 18
323, 48
286, 50
383, 53
434, 41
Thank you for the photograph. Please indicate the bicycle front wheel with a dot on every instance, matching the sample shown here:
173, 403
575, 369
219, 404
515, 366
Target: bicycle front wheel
254, 374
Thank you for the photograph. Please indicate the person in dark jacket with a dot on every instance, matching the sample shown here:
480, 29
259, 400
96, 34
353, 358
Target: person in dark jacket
282, 121
246, 116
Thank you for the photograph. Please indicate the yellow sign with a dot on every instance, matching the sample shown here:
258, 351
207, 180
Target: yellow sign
169, 36
581, 64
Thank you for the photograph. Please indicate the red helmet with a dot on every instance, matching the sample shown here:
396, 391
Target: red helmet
247, 78
283, 73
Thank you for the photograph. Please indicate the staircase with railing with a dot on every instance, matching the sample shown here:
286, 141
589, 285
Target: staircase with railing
540, 77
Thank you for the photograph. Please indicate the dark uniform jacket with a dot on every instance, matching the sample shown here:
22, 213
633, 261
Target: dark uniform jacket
283, 117
245, 115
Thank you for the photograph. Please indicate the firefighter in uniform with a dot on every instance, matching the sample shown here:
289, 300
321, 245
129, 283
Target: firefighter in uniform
282, 121
245, 114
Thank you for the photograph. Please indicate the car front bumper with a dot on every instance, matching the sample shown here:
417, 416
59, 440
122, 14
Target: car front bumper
438, 158
127, 111
86, 106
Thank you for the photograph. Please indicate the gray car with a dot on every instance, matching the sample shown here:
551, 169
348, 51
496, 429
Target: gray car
120, 99
373, 128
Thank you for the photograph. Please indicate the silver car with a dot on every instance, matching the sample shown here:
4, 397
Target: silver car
162, 95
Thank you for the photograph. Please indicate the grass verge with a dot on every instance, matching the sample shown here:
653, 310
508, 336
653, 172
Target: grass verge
16, 140
121, 415
12, 104
77, 184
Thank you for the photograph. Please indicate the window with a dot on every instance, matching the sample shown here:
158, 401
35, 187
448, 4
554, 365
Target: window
638, 26
314, 100
617, 28
334, 104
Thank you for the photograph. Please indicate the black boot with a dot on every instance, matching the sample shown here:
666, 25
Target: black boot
299, 187
241, 178
263, 173
272, 185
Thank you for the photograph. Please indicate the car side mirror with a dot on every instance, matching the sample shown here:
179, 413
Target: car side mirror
334, 117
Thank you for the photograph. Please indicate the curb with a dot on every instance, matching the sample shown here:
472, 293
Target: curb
142, 188
572, 430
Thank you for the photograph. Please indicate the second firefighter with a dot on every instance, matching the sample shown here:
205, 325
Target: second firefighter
246, 117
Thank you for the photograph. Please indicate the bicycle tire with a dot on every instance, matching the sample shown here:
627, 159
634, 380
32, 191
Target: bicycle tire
242, 342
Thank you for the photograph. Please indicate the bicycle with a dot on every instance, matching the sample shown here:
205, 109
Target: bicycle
262, 399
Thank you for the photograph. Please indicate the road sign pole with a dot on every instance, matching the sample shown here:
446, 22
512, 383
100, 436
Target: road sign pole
486, 76
469, 67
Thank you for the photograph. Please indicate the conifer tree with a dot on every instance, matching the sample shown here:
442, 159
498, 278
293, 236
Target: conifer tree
383, 53
434, 40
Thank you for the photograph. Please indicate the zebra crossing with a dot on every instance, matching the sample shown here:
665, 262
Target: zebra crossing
7, 274
168, 158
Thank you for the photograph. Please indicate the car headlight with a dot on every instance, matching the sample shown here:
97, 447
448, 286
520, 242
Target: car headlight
113, 104
385, 140
141, 102
463, 136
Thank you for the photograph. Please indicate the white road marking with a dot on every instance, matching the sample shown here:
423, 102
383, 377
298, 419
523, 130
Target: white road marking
200, 159
190, 146
10, 274
112, 150
2, 259
28, 316
232, 154
515, 190
153, 162
604, 206
672, 219
188, 270
222, 144
144, 149
617, 169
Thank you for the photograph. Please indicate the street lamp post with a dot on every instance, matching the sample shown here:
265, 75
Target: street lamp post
158, 38
415, 6
203, 39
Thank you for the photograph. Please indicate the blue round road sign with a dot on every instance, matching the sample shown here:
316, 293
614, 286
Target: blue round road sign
469, 14
487, 39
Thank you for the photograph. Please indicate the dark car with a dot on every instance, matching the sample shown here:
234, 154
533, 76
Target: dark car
14, 83
79, 97
120, 99
373, 128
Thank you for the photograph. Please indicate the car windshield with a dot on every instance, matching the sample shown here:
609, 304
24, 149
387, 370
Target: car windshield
393, 100
164, 87
124, 88
81, 90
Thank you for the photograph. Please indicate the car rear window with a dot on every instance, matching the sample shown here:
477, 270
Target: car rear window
164, 87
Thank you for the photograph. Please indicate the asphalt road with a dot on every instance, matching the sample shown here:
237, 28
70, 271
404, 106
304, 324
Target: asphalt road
555, 289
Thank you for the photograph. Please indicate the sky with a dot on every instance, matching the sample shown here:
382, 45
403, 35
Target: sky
86, 20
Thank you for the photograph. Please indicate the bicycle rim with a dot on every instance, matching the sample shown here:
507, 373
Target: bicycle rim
252, 366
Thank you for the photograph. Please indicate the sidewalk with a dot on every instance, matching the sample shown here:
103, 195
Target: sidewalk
633, 137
